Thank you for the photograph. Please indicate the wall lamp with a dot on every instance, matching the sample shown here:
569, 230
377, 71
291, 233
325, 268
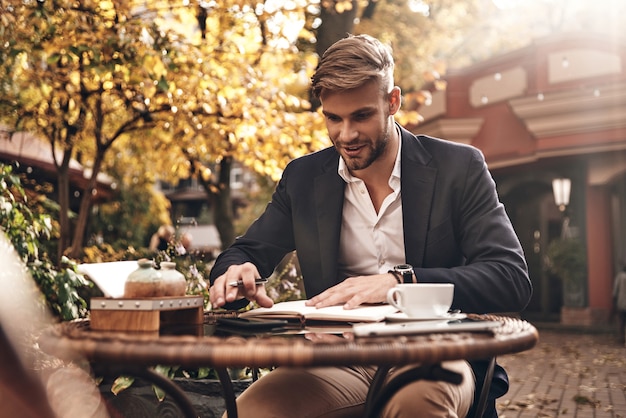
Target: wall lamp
561, 188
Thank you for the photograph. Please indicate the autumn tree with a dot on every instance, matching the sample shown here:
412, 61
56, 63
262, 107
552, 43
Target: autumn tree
87, 76
82, 75
241, 97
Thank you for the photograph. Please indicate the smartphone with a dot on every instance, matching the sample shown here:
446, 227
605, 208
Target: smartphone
251, 325
424, 327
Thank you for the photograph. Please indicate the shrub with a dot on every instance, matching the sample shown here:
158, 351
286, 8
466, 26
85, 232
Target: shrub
24, 221
566, 258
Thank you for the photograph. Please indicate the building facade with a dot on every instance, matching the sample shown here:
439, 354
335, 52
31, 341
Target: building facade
35, 159
555, 109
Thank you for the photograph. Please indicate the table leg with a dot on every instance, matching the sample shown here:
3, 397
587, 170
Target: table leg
481, 401
380, 393
228, 391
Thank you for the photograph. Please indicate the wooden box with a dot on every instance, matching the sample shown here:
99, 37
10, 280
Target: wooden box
145, 314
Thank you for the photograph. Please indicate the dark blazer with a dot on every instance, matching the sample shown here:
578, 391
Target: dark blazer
455, 230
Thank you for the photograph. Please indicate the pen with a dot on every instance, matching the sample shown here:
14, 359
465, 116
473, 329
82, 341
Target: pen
239, 283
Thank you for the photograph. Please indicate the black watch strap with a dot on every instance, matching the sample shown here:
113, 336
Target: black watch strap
397, 275
406, 271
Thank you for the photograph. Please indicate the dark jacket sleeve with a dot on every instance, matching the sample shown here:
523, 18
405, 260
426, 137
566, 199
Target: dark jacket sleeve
264, 244
472, 242
304, 214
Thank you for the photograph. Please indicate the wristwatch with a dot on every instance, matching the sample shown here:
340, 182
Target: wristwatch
404, 270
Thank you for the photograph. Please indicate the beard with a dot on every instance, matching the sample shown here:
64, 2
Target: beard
370, 153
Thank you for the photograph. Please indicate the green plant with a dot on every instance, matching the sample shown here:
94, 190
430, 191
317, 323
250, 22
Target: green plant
25, 223
566, 259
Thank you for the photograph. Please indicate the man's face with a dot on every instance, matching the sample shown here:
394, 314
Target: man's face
358, 123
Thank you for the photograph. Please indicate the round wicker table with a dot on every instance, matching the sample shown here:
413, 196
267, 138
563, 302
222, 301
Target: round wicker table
72, 340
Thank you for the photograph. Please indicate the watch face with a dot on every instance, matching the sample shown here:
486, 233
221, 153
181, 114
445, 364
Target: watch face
404, 268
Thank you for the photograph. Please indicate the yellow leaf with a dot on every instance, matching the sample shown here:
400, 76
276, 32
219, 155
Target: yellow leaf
74, 78
121, 383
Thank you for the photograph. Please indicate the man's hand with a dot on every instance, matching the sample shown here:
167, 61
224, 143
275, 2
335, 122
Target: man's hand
222, 292
355, 291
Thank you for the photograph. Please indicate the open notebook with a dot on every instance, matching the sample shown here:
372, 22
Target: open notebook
297, 310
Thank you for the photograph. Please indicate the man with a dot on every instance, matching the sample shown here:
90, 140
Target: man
381, 197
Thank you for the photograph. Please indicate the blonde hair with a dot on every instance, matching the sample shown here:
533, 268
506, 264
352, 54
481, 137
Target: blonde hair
353, 61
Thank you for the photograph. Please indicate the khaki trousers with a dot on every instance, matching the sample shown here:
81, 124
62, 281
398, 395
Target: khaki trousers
338, 392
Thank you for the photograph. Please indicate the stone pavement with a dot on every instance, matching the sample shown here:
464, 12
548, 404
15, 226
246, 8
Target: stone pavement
569, 374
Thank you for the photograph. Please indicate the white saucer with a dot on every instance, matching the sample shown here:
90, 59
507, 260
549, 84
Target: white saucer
402, 317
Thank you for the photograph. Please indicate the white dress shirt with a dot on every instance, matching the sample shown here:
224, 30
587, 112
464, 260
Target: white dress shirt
370, 243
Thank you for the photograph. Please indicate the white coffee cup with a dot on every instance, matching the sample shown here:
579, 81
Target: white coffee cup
422, 300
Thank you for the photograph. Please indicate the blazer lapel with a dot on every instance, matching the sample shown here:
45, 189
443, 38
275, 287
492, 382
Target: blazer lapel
329, 192
417, 185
